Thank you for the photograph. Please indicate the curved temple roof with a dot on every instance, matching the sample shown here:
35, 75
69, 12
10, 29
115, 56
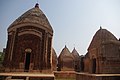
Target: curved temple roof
35, 16
65, 54
54, 55
101, 36
75, 53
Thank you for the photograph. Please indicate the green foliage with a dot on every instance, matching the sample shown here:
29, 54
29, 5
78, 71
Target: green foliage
1, 57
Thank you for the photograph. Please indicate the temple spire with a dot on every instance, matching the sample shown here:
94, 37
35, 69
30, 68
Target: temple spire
100, 27
74, 46
36, 5
65, 46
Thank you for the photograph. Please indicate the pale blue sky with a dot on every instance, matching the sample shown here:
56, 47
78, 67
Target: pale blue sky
74, 21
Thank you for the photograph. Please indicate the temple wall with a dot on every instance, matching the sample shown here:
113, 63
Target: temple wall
86, 76
65, 74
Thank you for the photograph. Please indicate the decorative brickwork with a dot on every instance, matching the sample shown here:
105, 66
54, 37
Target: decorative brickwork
103, 53
29, 43
54, 60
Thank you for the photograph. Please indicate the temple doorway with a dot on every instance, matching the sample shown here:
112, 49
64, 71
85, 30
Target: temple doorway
27, 61
93, 65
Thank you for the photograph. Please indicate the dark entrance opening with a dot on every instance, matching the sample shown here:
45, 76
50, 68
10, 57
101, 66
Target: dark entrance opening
94, 66
27, 62
82, 64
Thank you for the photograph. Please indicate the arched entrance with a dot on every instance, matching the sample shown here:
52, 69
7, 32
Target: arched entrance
94, 65
27, 59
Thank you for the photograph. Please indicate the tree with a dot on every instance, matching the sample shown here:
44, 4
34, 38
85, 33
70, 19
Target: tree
1, 57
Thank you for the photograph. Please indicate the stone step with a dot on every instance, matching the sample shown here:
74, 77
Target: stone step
16, 79
10, 78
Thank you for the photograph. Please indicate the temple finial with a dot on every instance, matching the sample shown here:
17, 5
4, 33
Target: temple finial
65, 46
119, 39
74, 46
100, 27
36, 5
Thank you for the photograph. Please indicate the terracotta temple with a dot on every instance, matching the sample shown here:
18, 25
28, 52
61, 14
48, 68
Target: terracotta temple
29, 43
29, 49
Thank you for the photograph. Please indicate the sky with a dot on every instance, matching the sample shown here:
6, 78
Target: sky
74, 22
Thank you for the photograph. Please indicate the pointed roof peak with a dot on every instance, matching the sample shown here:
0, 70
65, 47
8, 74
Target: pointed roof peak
74, 45
36, 5
75, 53
30, 17
100, 27
65, 46
74, 48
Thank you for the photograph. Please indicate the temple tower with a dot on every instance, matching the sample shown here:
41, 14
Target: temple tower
29, 43
77, 60
65, 60
103, 53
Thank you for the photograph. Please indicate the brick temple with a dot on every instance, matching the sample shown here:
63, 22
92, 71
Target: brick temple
103, 54
29, 43
29, 49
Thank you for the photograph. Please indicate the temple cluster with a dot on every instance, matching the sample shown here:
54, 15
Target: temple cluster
29, 49
68, 61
